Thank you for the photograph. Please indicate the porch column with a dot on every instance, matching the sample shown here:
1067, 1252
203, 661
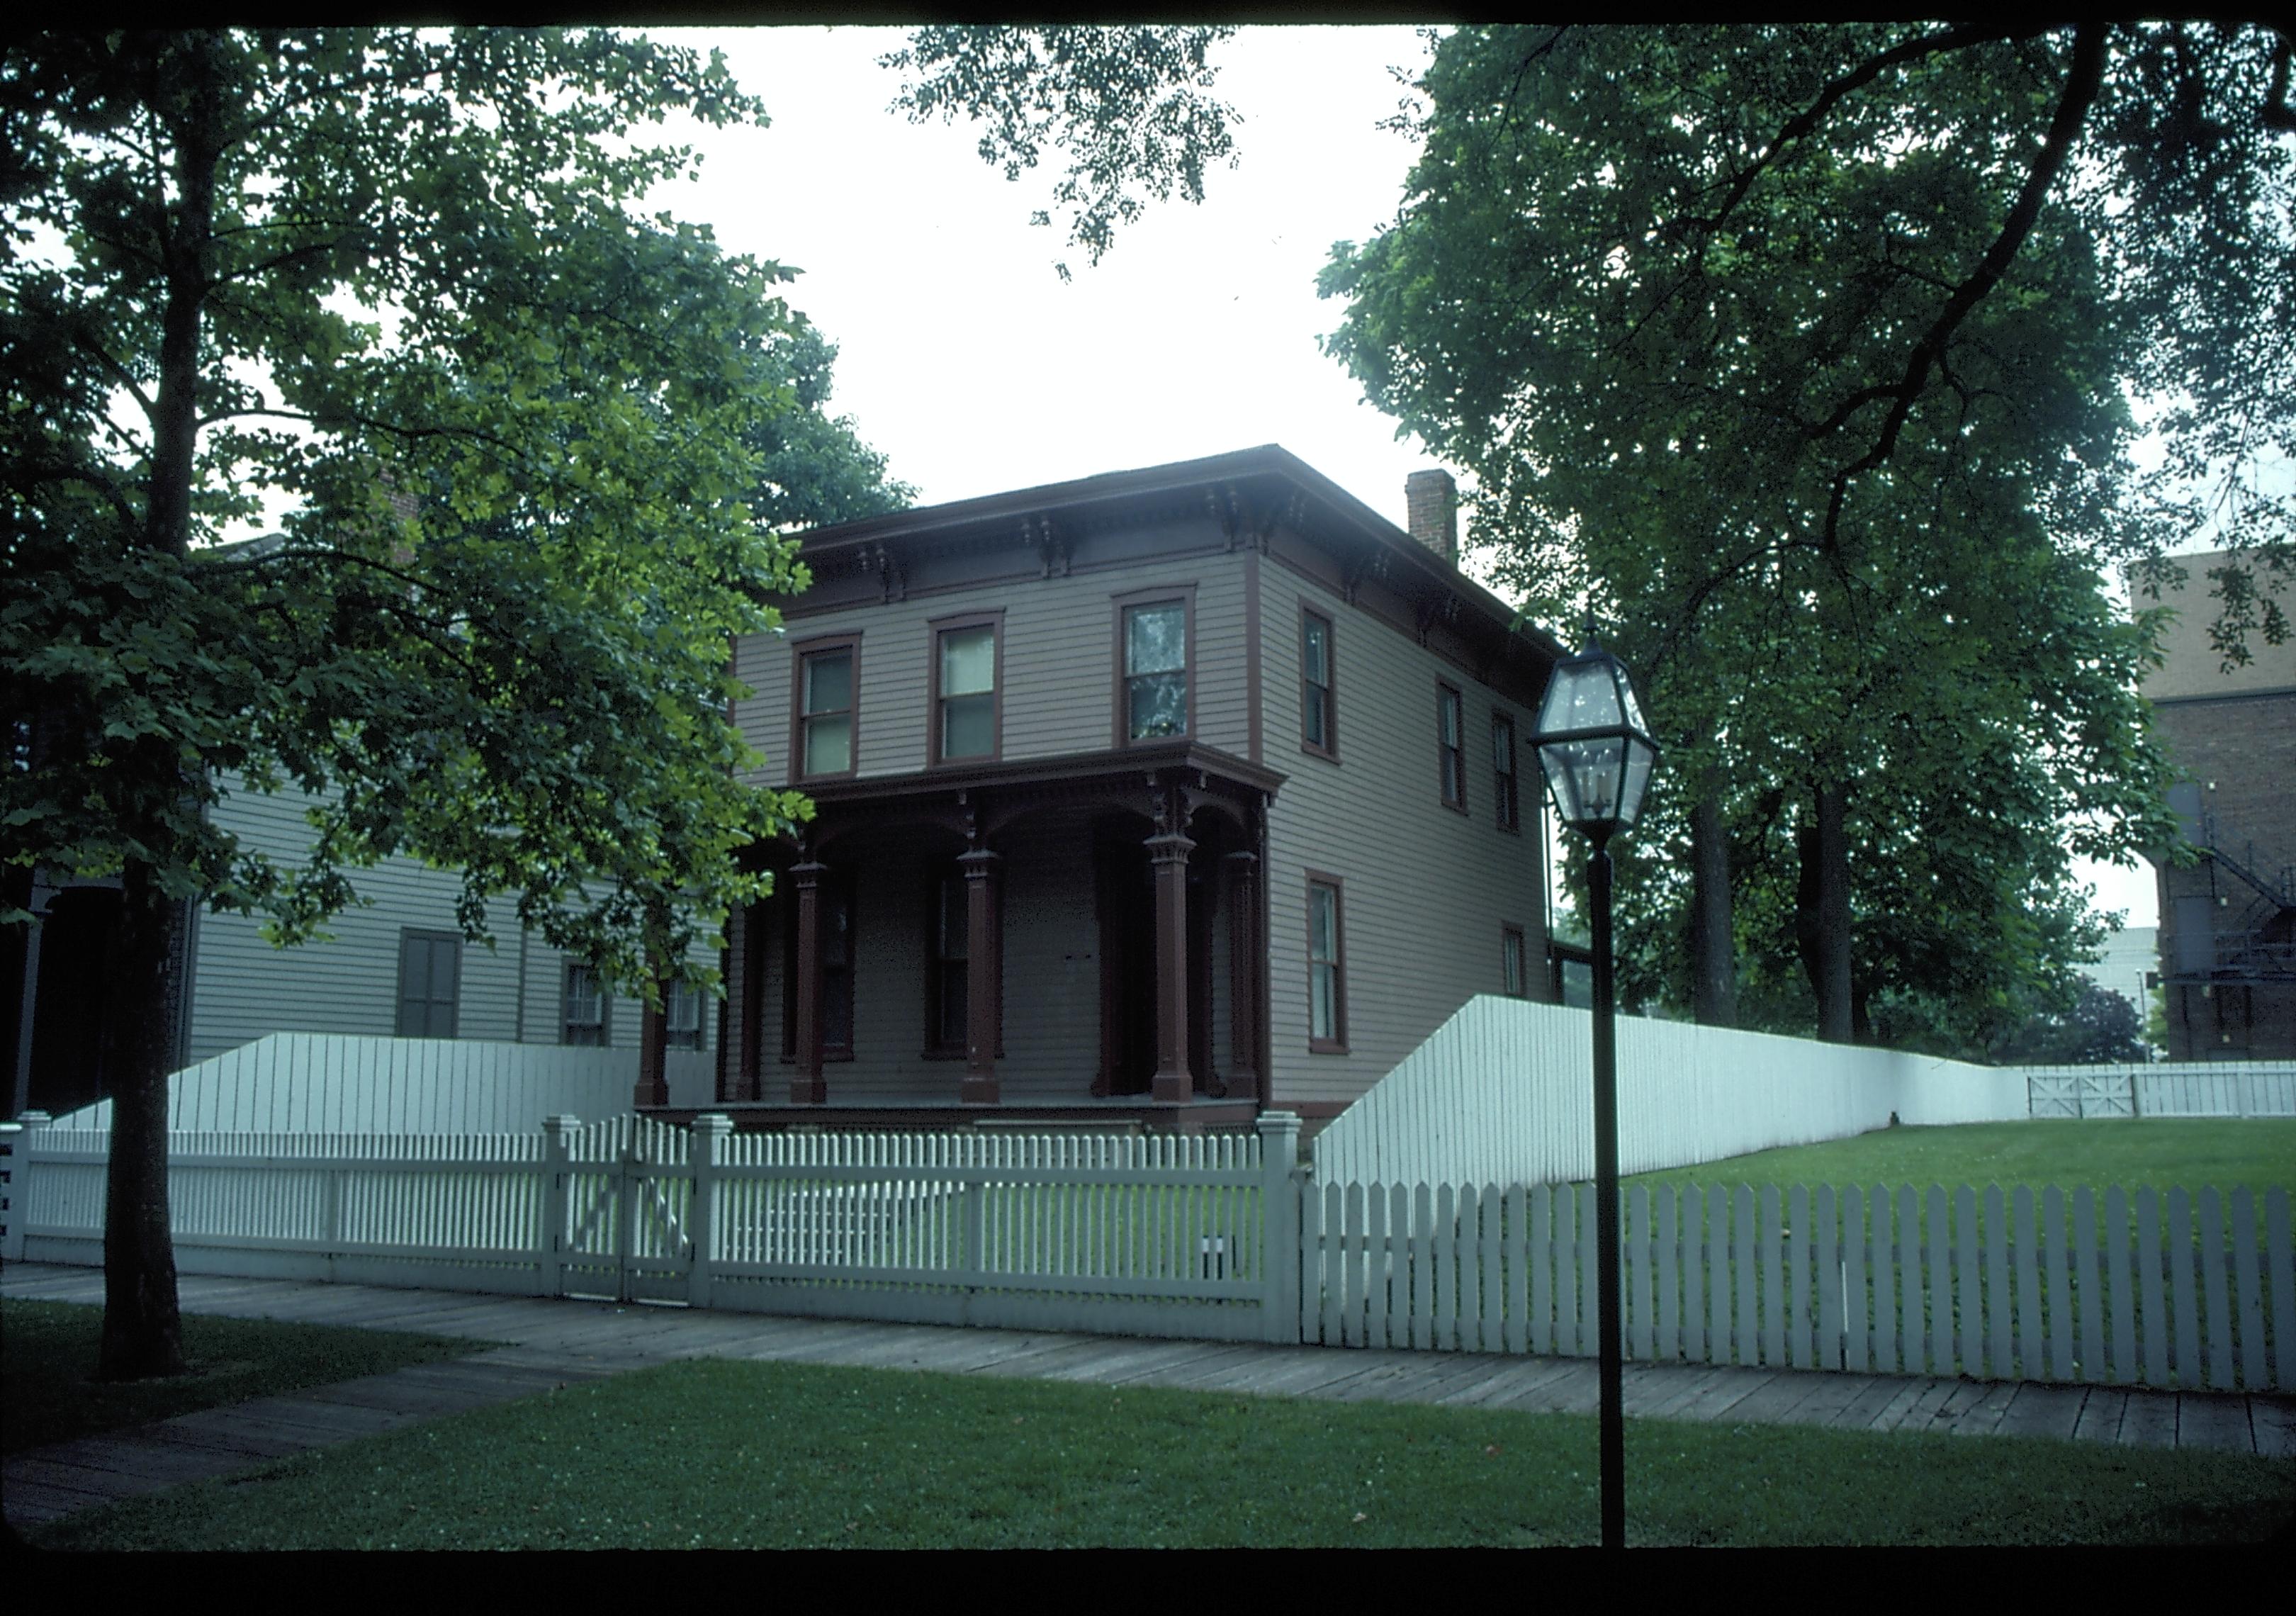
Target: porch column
1243, 974
1174, 1081
653, 1053
984, 990
806, 1087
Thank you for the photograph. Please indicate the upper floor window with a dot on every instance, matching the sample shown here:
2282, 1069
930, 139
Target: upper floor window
1451, 760
826, 685
1153, 640
584, 1022
682, 1016
430, 983
1318, 725
1502, 783
965, 705
1512, 977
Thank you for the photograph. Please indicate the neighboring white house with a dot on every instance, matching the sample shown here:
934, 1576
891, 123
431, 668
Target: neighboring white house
398, 967
2131, 955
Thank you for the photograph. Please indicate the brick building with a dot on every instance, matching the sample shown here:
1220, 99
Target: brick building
2229, 924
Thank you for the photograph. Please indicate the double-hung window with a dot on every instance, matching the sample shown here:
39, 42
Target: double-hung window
682, 1016
964, 681
1152, 641
1504, 805
1512, 977
827, 688
584, 1018
949, 1006
1327, 988
1450, 754
1318, 719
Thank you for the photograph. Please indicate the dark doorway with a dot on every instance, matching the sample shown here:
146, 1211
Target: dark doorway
68, 1007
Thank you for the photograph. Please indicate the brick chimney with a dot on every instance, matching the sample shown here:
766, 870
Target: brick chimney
1432, 501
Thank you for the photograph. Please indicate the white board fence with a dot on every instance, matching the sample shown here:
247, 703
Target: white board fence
1502, 1093
311, 1082
2154, 1288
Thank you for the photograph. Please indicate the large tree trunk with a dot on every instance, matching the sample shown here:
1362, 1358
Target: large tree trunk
1713, 952
143, 1333
1822, 911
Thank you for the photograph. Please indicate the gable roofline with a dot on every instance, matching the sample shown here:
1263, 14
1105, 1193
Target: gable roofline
1325, 514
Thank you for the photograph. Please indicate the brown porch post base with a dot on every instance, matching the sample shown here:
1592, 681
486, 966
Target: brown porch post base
1173, 1083
807, 1084
984, 1031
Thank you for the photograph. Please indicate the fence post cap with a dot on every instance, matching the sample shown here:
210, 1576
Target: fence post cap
33, 1118
561, 1124
1279, 1122
713, 1122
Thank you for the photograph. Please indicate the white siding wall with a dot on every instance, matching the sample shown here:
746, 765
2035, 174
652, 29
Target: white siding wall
1426, 890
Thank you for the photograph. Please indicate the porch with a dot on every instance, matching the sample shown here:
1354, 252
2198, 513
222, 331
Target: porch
1070, 942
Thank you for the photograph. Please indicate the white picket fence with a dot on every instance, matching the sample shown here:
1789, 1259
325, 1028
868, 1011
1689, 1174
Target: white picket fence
1128, 1234
1503, 1093
326, 1083
2145, 1290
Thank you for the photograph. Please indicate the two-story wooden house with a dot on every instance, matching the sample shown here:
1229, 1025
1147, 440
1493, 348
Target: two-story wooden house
1160, 796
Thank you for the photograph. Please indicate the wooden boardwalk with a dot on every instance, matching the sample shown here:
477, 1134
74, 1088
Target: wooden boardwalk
552, 1343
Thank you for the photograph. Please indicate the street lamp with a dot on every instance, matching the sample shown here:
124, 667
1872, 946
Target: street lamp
1597, 756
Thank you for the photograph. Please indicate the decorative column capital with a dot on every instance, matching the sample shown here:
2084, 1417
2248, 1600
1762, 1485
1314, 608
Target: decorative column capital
1171, 847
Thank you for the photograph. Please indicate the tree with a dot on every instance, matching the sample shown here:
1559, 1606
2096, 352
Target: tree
2101, 1028
1802, 353
534, 447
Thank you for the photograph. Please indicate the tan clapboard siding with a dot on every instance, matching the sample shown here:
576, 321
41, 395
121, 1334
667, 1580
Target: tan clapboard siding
1058, 669
243, 988
1425, 889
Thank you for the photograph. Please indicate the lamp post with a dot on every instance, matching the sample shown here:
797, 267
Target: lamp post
1597, 755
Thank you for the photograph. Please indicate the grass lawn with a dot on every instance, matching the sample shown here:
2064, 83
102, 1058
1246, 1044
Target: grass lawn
702, 1454
2194, 1151
48, 1354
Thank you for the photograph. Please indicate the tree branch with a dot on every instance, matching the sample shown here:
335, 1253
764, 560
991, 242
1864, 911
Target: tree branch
2081, 88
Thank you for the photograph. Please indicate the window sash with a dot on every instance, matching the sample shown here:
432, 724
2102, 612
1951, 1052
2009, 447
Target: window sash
682, 1016
1325, 1009
1511, 949
827, 715
1316, 681
1502, 769
583, 1015
1452, 761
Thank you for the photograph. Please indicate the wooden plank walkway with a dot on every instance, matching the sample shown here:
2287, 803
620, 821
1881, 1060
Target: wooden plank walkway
555, 1343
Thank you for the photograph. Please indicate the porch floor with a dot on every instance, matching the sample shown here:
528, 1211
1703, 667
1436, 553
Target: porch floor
554, 1341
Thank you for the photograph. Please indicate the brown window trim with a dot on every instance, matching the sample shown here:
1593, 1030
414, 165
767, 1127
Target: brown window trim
1506, 814
993, 621
850, 641
1331, 747
1444, 754
1337, 1044
1120, 727
1509, 929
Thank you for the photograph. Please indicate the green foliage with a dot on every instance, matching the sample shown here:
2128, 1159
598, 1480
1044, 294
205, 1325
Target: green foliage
1799, 354
807, 1456
2100, 1027
533, 451
1126, 104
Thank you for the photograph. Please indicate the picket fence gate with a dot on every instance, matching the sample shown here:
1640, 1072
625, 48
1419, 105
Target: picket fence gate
2147, 1288
1187, 1236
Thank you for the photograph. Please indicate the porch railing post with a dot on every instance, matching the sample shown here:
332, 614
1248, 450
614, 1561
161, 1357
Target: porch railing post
710, 1136
1281, 1185
557, 1169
